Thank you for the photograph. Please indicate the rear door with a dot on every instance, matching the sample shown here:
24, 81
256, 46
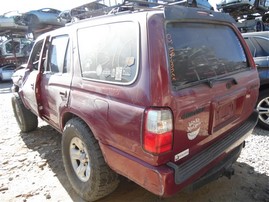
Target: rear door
56, 79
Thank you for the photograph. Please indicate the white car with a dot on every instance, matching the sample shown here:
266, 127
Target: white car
6, 72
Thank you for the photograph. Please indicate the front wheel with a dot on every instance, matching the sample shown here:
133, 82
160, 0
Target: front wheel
84, 164
263, 109
26, 120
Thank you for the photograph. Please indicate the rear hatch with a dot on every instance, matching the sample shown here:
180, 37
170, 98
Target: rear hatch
214, 82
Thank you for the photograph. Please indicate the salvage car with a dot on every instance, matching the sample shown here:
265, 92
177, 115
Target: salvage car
6, 72
258, 43
80, 12
15, 47
94, 9
41, 17
144, 93
250, 16
12, 21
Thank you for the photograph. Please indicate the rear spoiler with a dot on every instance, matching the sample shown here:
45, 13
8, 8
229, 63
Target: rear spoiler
180, 12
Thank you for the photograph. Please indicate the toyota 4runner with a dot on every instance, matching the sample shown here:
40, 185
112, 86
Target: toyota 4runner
164, 96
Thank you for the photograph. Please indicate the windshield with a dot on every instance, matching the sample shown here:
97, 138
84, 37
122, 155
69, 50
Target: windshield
199, 52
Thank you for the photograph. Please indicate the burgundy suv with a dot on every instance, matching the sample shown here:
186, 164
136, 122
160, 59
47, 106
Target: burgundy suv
163, 96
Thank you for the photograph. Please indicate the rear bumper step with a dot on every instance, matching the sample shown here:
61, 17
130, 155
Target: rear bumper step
192, 166
224, 168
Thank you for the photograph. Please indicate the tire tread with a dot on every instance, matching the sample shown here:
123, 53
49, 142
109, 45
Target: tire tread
29, 121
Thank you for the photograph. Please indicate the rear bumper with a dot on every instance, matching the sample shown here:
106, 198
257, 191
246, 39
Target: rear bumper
167, 180
223, 168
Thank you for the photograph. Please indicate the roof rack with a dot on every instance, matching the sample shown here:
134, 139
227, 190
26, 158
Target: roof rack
105, 7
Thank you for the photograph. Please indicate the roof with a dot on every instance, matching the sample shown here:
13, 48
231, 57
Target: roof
263, 34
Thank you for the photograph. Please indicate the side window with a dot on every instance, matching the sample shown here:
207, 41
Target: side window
57, 52
108, 53
34, 58
8, 47
13, 46
26, 47
262, 47
67, 60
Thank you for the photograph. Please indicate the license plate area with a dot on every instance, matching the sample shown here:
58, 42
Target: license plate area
226, 111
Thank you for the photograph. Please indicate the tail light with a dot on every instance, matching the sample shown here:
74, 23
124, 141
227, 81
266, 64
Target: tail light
158, 130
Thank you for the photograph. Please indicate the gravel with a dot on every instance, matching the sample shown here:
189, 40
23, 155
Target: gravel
31, 168
256, 152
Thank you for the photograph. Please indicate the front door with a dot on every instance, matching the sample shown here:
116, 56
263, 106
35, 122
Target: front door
56, 79
30, 87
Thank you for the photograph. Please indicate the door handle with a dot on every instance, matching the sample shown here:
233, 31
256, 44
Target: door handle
64, 94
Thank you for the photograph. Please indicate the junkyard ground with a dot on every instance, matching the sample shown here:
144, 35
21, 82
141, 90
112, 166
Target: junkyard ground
31, 168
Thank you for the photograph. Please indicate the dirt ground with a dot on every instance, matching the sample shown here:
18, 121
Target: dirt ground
31, 168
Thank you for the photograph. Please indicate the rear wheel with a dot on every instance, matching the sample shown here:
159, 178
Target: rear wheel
263, 109
85, 166
26, 120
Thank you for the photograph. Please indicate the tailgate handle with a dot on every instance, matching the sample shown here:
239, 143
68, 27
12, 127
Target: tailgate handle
229, 82
63, 94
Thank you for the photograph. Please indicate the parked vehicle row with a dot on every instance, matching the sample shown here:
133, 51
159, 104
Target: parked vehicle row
258, 43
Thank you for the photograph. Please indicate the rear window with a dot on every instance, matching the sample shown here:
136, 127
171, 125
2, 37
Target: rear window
109, 53
198, 52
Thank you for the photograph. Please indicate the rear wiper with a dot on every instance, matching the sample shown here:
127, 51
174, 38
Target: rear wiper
230, 80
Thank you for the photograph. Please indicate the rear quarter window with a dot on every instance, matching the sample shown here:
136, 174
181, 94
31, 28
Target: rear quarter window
109, 53
201, 51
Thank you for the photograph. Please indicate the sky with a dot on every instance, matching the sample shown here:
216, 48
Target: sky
26, 5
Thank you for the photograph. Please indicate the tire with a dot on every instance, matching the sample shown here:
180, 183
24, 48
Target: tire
93, 179
263, 109
26, 120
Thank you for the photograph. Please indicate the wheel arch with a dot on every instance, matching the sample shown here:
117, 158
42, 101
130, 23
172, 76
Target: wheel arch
69, 115
264, 87
104, 180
